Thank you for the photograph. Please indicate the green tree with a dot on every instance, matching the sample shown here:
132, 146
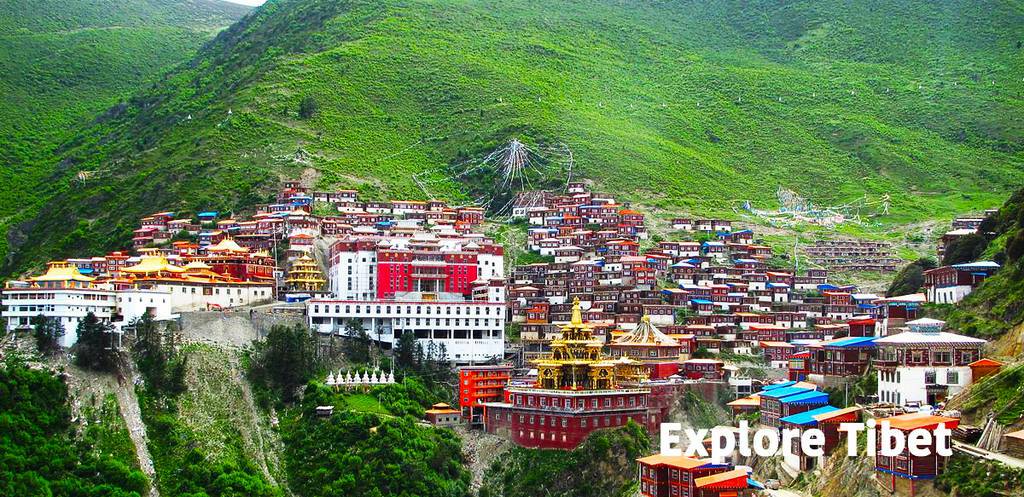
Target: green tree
47, 331
154, 353
357, 342
95, 348
702, 353
405, 352
308, 107
910, 278
39, 454
285, 360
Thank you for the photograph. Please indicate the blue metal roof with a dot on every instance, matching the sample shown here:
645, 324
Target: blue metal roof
779, 393
810, 397
208, 214
977, 265
806, 418
853, 342
773, 386
826, 286
701, 301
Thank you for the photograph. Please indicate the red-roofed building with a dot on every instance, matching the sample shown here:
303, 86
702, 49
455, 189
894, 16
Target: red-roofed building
683, 476
984, 367
903, 473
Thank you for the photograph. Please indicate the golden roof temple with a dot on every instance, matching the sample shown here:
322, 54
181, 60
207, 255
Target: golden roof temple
576, 361
305, 276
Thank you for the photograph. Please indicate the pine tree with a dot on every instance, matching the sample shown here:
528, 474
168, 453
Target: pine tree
420, 356
357, 343
405, 353
286, 359
48, 332
95, 348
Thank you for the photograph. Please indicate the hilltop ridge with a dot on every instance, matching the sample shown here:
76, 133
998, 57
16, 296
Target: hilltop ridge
690, 105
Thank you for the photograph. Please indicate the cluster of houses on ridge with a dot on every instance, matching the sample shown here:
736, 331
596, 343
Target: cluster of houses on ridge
852, 255
950, 284
209, 261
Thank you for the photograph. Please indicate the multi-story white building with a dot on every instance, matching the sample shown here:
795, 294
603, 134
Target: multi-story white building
64, 294
446, 289
368, 267
950, 284
132, 303
471, 331
924, 364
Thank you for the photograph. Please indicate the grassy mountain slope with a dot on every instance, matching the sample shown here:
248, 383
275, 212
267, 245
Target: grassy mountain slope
683, 104
997, 305
62, 63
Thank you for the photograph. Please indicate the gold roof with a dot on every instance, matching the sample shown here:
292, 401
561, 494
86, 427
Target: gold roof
646, 334
227, 245
61, 271
576, 361
153, 264
197, 265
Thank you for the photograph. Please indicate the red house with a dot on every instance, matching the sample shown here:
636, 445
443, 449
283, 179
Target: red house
479, 384
904, 472
686, 476
711, 369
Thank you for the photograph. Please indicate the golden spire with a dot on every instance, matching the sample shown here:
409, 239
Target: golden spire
577, 313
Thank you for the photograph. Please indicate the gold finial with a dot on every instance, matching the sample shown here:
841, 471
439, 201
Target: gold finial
646, 319
577, 313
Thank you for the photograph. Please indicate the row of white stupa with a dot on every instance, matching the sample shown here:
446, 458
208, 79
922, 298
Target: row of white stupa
372, 378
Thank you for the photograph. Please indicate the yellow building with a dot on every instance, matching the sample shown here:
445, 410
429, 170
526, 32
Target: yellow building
305, 276
576, 361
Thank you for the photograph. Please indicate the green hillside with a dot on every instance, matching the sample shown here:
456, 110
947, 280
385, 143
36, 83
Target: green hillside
686, 104
64, 62
997, 305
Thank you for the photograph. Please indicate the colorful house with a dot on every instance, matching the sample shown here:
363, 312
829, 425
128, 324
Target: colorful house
683, 476
827, 419
904, 473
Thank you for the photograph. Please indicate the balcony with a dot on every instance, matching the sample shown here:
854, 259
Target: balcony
429, 276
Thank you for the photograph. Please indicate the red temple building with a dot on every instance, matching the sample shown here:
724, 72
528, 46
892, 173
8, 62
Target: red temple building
709, 369
229, 258
646, 344
577, 391
827, 419
480, 384
799, 365
842, 358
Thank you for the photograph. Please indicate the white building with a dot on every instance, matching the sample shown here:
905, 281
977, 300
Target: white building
924, 364
471, 331
430, 264
64, 294
132, 303
196, 287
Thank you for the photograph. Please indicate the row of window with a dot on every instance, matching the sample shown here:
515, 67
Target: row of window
420, 309
567, 403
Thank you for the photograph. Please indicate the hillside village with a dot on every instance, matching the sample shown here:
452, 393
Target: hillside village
608, 327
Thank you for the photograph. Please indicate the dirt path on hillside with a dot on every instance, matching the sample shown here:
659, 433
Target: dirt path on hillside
480, 449
257, 435
132, 415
